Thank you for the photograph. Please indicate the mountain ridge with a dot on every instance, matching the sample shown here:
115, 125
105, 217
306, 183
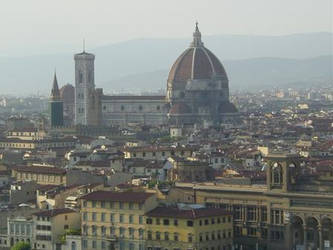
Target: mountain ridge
115, 61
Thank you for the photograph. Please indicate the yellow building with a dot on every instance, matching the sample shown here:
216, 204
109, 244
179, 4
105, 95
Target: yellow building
183, 228
115, 220
26, 134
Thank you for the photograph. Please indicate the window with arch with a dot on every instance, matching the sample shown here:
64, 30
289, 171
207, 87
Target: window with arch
292, 172
277, 175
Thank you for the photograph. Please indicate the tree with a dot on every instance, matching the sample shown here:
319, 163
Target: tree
21, 246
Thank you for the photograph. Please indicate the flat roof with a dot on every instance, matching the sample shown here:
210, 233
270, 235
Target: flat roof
138, 197
194, 213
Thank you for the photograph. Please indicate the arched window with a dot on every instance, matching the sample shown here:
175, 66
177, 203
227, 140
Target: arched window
277, 174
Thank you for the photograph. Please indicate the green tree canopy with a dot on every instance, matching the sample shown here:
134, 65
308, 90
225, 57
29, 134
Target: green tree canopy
21, 246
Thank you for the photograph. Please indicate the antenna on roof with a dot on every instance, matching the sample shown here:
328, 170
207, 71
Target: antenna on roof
84, 45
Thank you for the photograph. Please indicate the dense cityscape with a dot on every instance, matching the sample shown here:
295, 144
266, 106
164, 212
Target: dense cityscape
199, 165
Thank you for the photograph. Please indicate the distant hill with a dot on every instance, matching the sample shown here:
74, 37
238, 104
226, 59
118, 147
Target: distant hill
249, 60
244, 74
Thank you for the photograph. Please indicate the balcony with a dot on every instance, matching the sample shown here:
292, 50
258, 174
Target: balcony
111, 237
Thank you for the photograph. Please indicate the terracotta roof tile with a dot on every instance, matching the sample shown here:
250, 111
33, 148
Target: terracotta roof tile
54, 212
195, 63
40, 170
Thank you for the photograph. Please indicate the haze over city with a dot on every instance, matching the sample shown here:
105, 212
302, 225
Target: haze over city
38, 40
166, 125
61, 25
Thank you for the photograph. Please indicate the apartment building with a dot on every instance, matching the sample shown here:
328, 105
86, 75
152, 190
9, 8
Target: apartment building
115, 220
189, 227
50, 225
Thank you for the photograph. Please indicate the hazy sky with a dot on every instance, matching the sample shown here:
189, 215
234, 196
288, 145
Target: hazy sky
39, 26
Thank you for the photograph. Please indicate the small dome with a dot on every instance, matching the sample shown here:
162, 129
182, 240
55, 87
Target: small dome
67, 93
180, 108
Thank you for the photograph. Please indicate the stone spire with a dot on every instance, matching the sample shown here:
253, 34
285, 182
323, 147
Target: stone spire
55, 93
196, 37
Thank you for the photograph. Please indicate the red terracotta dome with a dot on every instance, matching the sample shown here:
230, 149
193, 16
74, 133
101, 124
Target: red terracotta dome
196, 62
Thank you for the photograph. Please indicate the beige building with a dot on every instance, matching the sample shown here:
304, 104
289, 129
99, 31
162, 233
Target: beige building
52, 197
56, 176
157, 152
50, 225
42, 144
41, 175
189, 171
115, 220
20, 229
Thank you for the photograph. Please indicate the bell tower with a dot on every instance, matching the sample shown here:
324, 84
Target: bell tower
56, 105
281, 171
84, 87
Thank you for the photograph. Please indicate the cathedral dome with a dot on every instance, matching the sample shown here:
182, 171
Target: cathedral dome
196, 62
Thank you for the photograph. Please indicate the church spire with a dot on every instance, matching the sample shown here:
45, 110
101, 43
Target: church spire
84, 45
196, 37
55, 93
